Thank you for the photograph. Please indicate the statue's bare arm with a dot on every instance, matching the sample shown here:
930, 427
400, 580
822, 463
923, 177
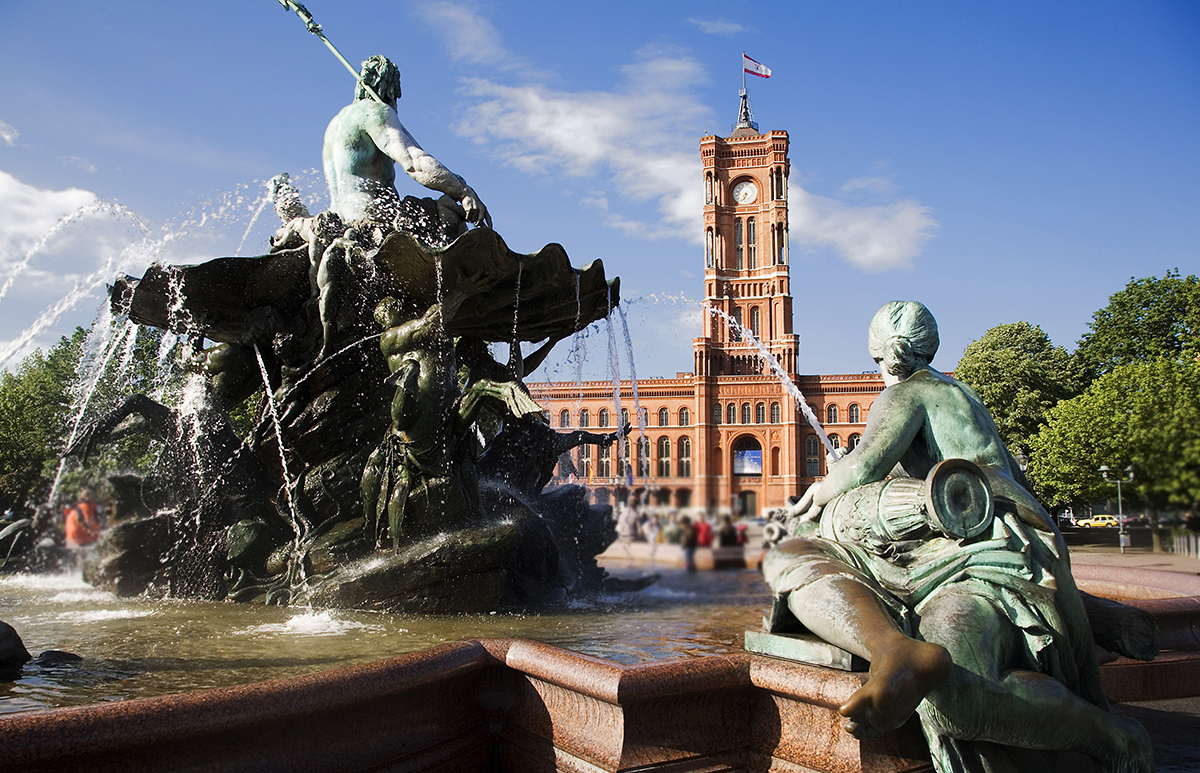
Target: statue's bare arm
393, 139
893, 423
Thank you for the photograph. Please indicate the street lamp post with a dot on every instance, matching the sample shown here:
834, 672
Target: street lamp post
1115, 476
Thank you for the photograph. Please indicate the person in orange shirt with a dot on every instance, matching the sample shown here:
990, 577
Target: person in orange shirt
83, 521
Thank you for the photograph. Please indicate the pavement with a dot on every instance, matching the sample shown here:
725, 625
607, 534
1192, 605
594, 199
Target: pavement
1133, 558
1174, 725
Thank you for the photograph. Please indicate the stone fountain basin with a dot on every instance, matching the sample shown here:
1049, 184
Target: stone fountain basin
517, 705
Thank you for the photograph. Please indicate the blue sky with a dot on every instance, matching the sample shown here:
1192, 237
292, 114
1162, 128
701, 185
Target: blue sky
998, 161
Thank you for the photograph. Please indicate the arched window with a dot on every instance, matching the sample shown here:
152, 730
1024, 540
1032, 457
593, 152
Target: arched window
716, 417
685, 417
603, 417
852, 441
708, 248
585, 461
775, 413
745, 413
625, 417
775, 461
643, 458
708, 186
812, 456
604, 462
852, 413
664, 417
735, 331
664, 457
755, 323
751, 244
731, 414
685, 457
760, 413
831, 415
645, 417
626, 452
739, 247
585, 418
835, 441
780, 241
564, 418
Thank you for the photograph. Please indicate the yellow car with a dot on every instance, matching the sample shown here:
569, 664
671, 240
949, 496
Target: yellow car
1099, 520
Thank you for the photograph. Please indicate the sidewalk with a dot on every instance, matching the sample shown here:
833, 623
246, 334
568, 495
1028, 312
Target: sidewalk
1134, 558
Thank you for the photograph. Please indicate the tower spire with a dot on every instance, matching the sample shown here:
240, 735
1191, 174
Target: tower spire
745, 115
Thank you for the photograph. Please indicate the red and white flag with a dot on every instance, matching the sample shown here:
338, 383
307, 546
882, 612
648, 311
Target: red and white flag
755, 68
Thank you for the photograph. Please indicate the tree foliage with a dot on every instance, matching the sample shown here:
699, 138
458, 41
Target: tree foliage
1149, 319
1144, 413
1020, 375
34, 402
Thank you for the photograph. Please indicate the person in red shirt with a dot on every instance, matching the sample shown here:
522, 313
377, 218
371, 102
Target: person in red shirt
83, 521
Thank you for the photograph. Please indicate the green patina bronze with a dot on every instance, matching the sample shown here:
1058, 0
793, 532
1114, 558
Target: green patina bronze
924, 553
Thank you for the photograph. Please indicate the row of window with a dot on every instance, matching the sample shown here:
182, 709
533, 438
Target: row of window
603, 417
812, 451
730, 413
727, 414
745, 244
605, 465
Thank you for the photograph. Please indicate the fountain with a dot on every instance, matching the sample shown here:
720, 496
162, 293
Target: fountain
395, 466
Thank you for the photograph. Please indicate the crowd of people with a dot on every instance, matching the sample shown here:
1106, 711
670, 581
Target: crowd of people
690, 531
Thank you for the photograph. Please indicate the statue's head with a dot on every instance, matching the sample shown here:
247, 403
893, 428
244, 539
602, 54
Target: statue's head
903, 337
381, 74
389, 312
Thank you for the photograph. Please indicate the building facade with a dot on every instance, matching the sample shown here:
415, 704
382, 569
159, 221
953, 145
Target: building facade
726, 436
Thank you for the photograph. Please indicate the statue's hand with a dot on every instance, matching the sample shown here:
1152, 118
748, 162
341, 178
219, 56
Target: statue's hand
476, 212
84, 443
806, 508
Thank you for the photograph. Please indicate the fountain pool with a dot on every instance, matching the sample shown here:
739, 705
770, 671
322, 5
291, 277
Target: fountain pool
137, 647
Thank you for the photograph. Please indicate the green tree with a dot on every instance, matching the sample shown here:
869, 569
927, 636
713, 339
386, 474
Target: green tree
1144, 413
1149, 319
34, 403
1020, 375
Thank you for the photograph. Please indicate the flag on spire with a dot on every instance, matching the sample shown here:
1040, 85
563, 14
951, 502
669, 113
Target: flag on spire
755, 68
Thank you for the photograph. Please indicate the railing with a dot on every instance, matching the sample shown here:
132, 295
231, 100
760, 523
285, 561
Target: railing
1186, 544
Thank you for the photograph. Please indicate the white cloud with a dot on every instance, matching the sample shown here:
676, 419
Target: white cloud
639, 136
872, 237
468, 35
8, 135
713, 27
29, 213
57, 249
860, 185
638, 141
79, 162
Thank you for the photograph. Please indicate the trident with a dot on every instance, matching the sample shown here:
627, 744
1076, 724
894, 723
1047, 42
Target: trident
315, 29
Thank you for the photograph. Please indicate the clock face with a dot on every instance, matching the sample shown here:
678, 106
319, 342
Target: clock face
745, 192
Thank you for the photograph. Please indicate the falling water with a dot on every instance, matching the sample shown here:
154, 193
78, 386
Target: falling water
514, 355
262, 204
637, 405
437, 272
100, 206
781, 374
92, 369
192, 404
614, 366
578, 346
299, 526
